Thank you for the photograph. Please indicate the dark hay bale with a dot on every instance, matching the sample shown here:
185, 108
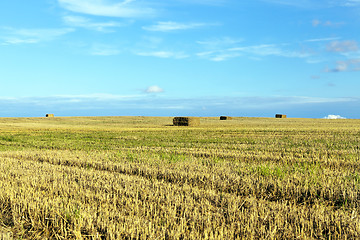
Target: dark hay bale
225, 118
280, 116
186, 121
50, 115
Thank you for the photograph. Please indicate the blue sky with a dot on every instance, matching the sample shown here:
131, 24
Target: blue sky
180, 57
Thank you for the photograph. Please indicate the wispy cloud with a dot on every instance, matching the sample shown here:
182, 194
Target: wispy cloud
172, 26
68, 99
270, 50
219, 56
322, 39
123, 9
351, 3
255, 51
216, 43
343, 46
104, 50
163, 54
83, 22
310, 100
154, 89
31, 36
328, 23
218, 49
352, 65
94, 96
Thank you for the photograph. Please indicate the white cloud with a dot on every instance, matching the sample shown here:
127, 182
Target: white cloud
30, 36
98, 96
343, 46
223, 42
351, 3
305, 100
255, 51
154, 89
163, 54
328, 23
271, 50
172, 26
352, 65
333, 24
334, 117
104, 50
77, 21
63, 99
322, 39
218, 56
124, 9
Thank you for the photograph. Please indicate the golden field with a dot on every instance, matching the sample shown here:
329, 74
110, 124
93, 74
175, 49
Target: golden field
142, 178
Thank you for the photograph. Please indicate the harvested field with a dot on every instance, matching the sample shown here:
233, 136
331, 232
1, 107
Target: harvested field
141, 178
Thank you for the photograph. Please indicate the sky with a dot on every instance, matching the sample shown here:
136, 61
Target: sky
251, 58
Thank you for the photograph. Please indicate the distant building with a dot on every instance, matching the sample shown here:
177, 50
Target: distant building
50, 115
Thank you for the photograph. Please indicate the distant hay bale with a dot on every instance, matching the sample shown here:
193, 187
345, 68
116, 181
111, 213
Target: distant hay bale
280, 116
186, 121
225, 118
50, 115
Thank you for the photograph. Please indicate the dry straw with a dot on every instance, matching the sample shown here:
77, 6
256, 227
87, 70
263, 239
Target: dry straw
186, 121
225, 118
280, 116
